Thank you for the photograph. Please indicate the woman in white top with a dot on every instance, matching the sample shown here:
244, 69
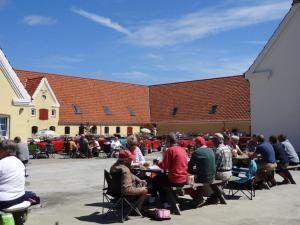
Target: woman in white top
132, 144
12, 176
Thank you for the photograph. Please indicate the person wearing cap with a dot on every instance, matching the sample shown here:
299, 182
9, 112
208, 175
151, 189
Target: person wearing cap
223, 158
202, 165
131, 185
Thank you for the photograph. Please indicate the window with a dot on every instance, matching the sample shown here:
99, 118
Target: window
174, 112
106, 130
4, 123
131, 111
81, 129
43, 114
107, 110
33, 112
53, 113
44, 97
213, 109
67, 130
52, 128
118, 130
34, 129
76, 109
93, 129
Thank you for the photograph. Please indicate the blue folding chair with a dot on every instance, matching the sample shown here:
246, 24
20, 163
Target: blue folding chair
243, 181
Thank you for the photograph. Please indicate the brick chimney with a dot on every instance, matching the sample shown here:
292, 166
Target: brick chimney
295, 2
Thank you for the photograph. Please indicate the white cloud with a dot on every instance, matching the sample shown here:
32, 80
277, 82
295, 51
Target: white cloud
101, 20
135, 75
33, 20
205, 22
153, 56
195, 25
60, 62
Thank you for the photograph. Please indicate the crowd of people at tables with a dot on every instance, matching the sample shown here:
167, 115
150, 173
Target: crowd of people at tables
206, 164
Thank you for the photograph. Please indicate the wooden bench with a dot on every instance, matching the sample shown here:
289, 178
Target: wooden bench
171, 193
287, 172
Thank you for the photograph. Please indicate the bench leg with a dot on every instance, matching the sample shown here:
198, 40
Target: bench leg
218, 191
173, 201
289, 176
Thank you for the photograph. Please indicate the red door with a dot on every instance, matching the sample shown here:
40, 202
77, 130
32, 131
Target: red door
129, 131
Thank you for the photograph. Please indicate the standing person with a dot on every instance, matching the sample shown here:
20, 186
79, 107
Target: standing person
289, 150
202, 164
175, 163
73, 147
22, 152
223, 158
12, 176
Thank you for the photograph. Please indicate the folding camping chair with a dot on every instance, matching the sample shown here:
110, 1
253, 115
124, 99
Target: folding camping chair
117, 201
243, 181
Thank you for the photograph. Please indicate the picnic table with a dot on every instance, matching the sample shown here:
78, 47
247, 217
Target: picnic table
173, 200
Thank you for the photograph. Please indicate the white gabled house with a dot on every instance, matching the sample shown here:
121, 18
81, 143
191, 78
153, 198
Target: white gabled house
275, 82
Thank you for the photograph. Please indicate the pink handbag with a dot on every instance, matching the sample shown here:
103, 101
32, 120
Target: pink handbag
162, 214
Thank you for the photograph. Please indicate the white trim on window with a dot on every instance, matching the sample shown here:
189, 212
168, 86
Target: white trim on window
4, 126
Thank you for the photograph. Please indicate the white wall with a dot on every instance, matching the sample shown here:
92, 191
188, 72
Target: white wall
275, 102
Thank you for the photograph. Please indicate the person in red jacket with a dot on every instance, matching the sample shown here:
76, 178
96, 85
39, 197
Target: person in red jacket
175, 163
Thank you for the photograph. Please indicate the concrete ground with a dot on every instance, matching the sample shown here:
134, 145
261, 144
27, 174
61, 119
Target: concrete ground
70, 191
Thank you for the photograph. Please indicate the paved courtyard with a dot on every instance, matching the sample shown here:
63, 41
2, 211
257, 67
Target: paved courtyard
70, 191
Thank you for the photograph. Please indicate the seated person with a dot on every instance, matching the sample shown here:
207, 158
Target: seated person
131, 185
175, 163
223, 158
281, 157
115, 145
289, 150
252, 144
12, 176
267, 165
132, 144
202, 164
235, 149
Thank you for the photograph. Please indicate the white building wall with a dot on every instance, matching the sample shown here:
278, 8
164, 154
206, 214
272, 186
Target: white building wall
275, 100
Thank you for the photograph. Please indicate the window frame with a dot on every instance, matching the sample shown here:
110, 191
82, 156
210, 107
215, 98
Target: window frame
7, 130
33, 110
76, 109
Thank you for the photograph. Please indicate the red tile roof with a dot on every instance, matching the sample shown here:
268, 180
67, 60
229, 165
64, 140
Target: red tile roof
194, 100
91, 95
31, 84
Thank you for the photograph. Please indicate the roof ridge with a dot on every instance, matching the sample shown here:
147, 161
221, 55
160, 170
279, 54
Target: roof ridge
78, 76
212, 78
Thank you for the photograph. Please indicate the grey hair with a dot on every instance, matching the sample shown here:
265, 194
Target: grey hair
8, 146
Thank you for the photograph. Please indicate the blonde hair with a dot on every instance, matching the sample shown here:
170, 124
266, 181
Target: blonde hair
132, 140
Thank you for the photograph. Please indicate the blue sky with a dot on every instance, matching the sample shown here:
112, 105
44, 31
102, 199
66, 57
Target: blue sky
138, 41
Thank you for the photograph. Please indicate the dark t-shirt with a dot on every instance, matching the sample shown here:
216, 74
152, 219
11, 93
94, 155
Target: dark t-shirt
280, 153
204, 160
267, 152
